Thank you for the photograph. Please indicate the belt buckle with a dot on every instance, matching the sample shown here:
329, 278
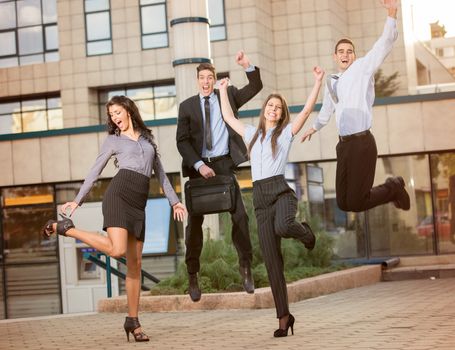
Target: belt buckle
209, 159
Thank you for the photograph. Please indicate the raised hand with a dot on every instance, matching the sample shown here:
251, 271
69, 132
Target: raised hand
223, 84
242, 59
318, 73
389, 4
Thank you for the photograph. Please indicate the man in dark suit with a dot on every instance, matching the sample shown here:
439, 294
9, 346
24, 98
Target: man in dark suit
208, 147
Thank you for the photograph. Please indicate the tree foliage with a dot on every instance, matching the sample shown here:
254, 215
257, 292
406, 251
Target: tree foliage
385, 85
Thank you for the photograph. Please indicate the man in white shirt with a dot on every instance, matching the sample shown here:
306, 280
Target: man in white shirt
350, 94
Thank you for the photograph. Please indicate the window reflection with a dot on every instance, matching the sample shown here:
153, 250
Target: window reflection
31, 115
153, 102
443, 179
393, 231
51, 37
8, 46
153, 24
385, 230
24, 42
28, 12
7, 16
217, 20
23, 241
98, 27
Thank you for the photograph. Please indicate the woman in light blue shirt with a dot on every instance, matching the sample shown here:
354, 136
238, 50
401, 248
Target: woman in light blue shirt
132, 146
275, 203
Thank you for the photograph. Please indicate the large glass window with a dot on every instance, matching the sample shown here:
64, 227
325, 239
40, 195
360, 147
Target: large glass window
384, 230
36, 114
153, 101
98, 27
442, 222
153, 24
217, 20
396, 232
28, 32
316, 185
30, 261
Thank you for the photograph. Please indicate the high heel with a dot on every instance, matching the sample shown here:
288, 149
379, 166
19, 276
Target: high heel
62, 226
131, 324
284, 332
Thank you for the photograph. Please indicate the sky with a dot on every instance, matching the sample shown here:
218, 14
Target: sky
428, 11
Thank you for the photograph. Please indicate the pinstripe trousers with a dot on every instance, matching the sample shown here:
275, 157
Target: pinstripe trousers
275, 205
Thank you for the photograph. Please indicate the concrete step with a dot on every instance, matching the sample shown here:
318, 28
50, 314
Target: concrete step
402, 273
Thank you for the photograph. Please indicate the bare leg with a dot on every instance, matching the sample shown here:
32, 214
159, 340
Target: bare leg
113, 245
133, 276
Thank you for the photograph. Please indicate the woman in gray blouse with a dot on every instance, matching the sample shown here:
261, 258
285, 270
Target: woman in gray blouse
275, 203
132, 146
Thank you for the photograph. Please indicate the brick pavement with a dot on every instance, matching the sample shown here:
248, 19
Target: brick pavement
414, 315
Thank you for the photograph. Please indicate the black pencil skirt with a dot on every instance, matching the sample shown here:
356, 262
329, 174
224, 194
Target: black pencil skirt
124, 202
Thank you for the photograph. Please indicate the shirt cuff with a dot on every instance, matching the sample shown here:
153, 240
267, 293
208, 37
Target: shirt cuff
198, 164
251, 68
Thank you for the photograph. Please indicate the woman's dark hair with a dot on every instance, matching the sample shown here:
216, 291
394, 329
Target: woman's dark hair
136, 119
284, 120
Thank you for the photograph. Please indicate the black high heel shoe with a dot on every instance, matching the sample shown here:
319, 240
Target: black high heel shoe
62, 226
284, 332
131, 324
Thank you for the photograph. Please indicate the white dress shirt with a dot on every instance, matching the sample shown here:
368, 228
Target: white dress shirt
355, 88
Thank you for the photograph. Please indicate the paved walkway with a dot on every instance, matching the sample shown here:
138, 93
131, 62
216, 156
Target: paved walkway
414, 315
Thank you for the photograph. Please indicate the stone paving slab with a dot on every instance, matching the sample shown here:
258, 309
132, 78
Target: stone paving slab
404, 315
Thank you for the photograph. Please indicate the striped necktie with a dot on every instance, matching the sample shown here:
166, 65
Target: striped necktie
207, 129
332, 89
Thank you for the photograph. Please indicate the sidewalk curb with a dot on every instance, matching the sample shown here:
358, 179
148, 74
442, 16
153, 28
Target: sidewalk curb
262, 297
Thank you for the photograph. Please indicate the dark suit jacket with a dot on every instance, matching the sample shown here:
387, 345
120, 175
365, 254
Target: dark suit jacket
190, 129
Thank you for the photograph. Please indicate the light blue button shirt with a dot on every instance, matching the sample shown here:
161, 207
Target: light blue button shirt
263, 164
355, 88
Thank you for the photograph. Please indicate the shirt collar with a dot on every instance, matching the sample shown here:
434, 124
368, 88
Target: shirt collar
201, 97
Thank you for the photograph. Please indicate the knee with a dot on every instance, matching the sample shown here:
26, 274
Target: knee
117, 253
282, 228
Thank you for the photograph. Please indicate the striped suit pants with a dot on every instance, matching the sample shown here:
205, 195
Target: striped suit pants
275, 205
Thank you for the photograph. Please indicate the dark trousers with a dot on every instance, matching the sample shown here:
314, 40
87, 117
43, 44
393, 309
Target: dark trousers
240, 231
275, 205
356, 165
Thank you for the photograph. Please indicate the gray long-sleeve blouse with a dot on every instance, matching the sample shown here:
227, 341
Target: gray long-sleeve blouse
138, 156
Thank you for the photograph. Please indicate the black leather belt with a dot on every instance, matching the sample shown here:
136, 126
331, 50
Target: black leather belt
353, 136
215, 159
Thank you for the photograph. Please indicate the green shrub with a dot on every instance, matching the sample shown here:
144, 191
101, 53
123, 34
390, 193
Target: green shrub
219, 260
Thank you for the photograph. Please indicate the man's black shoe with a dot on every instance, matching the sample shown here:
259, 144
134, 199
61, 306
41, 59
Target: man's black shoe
247, 279
309, 240
193, 287
401, 199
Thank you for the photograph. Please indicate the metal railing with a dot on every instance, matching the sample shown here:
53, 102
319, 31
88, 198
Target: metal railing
95, 258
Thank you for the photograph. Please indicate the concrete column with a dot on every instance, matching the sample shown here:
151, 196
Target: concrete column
190, 28
190, 31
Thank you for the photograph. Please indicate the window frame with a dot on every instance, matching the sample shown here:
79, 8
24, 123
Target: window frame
21, 110
43, 53
87, 41
141, 6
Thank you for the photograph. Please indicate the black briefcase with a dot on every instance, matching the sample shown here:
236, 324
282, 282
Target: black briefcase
213, 195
